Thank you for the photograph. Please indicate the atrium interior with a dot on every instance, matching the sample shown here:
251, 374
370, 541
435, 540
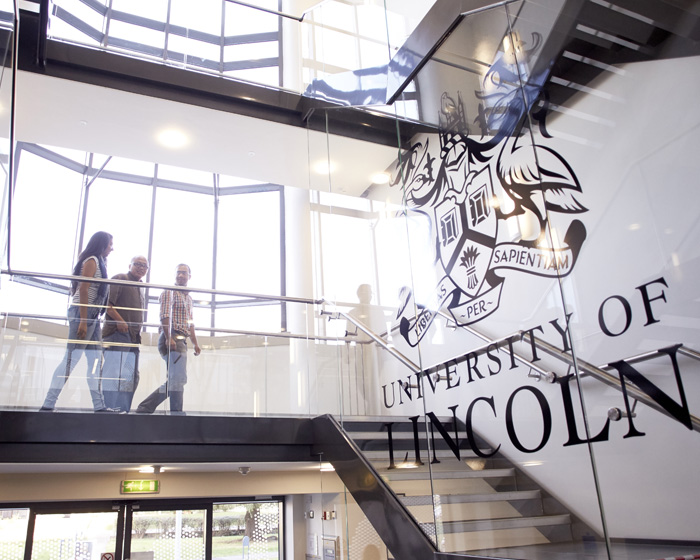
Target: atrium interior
443, 262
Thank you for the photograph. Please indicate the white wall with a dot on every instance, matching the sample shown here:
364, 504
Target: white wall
633, 146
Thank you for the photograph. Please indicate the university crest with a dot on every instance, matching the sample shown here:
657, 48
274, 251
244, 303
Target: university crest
478, 181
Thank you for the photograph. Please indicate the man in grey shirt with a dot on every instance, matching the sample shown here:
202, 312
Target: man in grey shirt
121, 337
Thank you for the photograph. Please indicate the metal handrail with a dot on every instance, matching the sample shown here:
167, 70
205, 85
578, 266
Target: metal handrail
540, 374
398, 355
611, 380
210, 330
275, 12
653, 354
289, 299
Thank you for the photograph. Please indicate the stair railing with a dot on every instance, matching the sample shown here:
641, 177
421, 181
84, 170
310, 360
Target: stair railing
585, 369
598, 373
375, 337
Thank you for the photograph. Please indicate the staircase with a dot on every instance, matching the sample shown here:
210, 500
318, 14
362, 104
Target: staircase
603, 35
472, 504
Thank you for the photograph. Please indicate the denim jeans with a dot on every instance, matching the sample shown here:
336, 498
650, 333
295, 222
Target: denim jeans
74, 351
174, 387
120, 375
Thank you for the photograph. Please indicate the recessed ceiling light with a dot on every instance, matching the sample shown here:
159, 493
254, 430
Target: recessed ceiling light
172, 138
324, 167
380, 178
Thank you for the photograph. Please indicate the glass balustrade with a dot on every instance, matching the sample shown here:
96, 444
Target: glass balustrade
267, 42
237, 372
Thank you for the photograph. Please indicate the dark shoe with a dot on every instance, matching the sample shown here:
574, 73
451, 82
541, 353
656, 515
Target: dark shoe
46, 409
142, 411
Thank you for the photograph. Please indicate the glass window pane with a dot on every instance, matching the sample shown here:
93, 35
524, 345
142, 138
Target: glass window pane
203, 15
242, 20
193, 48
183, 233
59, 190
249, 232
252, 51
373, 54
61, 536
136, 34
153, 9
31, 300
175, 535
344, 53
13, 529
248, 530
345, 240
259, 318
84, 13
265, 76
335, 14
124, 210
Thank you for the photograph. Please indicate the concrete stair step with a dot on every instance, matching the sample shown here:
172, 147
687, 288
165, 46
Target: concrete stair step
442, 486
427, 500
415, 474
477, 511
382, 455
500, 524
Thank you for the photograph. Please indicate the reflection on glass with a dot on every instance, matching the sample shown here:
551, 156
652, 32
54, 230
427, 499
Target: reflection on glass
247, 530
62, 190
249, 232
74, 536
13, 528
169, 535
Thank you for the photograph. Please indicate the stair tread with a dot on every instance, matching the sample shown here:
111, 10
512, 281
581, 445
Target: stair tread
386, 419
395, 435
499, 524
413, 474
427, 499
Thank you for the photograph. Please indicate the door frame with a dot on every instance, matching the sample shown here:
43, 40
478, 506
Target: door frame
52, 508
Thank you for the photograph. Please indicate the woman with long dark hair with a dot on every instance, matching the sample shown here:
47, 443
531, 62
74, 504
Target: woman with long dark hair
88, 303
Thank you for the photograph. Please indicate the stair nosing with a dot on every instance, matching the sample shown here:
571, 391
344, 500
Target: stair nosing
452, 527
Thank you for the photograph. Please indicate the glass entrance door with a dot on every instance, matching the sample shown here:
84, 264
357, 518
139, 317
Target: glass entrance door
166, 534
70, 535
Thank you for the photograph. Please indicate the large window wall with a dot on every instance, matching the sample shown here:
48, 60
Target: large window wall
216, 224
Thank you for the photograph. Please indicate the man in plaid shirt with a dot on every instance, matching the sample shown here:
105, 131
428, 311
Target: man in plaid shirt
176, 327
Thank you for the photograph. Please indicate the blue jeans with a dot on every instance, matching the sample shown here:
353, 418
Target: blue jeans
174, 387
120, 375
74, 351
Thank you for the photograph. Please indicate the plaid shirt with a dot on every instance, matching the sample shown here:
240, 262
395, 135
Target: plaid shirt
177, 308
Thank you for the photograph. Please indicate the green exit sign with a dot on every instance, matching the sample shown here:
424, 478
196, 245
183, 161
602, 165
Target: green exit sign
140, 486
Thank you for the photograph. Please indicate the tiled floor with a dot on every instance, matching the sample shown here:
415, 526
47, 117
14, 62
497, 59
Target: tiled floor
592, 551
